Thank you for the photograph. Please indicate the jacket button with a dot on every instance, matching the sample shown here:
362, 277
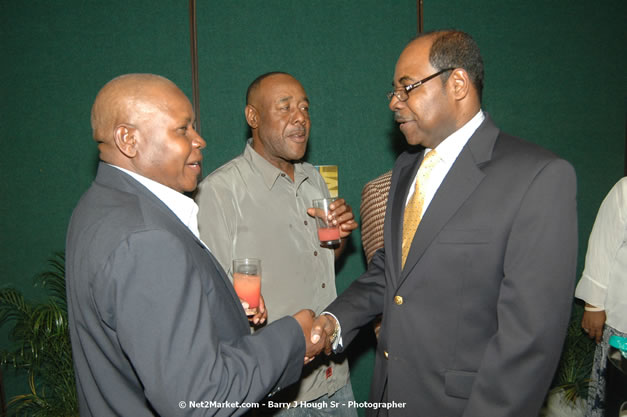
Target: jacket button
385, 353
398, 300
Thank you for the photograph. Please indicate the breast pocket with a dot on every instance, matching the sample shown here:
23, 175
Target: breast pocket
465, 236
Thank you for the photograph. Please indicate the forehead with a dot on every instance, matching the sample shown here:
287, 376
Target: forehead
413, 63
281, 86
170, 101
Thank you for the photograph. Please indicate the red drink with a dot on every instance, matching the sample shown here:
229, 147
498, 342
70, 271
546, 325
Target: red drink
248, 288
329, 234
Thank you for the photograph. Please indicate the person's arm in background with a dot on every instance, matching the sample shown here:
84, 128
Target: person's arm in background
605, 240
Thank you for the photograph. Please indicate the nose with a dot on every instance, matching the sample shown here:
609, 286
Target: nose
300, 116
197, 140
395, 103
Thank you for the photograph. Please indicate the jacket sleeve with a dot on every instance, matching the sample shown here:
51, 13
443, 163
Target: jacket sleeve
535, 300
362, 301
172, 318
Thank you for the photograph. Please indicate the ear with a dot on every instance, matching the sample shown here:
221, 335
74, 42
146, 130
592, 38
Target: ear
125, 138
252, 116
460, 83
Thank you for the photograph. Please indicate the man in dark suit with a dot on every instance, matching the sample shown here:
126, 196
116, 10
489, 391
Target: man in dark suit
476, 275
155, 325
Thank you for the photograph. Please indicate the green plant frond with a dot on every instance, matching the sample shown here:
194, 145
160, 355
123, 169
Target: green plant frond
54, 279
573, 375
40, 333
38, 403
49, 318
13, 306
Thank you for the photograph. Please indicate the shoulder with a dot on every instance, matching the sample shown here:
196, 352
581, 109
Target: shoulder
616, 199
108, 220
516, 149
232, 170
309, 169
523, 158
619, 189
378, 186
225, 183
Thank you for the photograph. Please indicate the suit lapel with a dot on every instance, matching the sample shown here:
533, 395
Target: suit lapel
118, 179
114, 178
458, 185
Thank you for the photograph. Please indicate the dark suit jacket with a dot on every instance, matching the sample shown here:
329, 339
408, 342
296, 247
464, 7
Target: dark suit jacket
474, 323
154, 320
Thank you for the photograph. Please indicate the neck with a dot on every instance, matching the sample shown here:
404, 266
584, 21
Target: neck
282, 164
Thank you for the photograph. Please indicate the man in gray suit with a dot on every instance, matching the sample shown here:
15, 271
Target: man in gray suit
476, 301
155, 325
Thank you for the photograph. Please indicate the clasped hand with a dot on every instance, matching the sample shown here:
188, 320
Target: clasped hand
317, 332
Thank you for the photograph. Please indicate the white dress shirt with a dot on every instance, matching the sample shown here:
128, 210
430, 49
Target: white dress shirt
182, 206
604, 280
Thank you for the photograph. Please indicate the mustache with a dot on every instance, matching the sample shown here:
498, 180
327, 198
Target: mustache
400, 119
297, 132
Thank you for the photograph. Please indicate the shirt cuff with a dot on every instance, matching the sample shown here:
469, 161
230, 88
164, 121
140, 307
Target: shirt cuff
338, 340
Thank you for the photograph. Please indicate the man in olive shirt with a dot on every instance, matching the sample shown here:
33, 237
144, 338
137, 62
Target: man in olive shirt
258, 206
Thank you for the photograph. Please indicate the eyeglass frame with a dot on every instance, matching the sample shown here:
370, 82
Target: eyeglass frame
408, 88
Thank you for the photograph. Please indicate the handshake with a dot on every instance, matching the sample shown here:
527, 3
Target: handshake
319, 333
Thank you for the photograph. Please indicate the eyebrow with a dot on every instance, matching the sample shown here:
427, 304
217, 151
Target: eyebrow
284, 99
403, 79
186, 120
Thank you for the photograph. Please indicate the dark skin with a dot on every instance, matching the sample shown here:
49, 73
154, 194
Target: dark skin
144, 123
592, 324
278, 115
430, 114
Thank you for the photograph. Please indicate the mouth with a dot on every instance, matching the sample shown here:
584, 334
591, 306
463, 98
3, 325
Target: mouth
402, 121
196, 165
298, 135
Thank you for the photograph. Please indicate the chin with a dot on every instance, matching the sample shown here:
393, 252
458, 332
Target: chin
298, 155
413, 141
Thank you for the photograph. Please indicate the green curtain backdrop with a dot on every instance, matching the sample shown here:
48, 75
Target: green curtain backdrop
554, 75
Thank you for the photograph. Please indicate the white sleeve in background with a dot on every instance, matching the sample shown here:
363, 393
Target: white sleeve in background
606, 257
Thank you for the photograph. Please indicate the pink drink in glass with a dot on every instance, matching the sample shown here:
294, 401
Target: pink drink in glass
248, 288
329, 234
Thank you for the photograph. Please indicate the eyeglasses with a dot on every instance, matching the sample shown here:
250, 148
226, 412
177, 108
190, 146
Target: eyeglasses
402, 94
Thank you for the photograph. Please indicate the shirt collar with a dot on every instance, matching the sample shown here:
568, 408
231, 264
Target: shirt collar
182, 206
449, 148
269, 173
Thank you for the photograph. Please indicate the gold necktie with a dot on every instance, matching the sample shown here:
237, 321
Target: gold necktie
413, 209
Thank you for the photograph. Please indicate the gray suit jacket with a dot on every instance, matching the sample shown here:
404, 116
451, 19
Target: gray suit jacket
154, 321
474, 323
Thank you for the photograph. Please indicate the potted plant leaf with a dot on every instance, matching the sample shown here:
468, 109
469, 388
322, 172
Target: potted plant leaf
570, 389
38, 332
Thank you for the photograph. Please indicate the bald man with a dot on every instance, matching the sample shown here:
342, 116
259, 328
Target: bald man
155, 325
256, 206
